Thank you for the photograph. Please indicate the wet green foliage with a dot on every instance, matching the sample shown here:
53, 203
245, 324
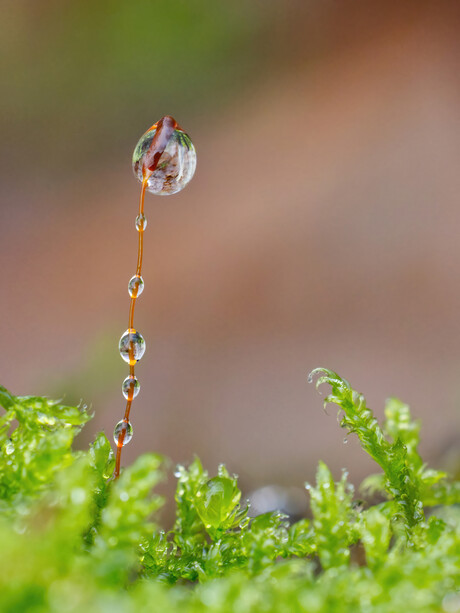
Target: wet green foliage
74, 540
405, 479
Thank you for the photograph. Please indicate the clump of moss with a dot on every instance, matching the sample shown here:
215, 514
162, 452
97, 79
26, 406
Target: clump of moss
75, 540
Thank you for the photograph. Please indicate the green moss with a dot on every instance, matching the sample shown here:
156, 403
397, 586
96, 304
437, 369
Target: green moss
74, 540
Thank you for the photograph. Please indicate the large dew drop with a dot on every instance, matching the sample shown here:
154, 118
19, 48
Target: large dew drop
123, 427
175, 167
132, 346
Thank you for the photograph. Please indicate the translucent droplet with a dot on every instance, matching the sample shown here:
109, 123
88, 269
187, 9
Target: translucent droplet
132, 346
123, 427
130, 387
176, 165
135, 286
141, 222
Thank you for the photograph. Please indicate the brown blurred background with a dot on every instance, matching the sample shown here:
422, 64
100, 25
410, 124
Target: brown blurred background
321, 228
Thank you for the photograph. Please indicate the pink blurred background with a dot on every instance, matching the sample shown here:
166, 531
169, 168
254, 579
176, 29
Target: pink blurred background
321, 228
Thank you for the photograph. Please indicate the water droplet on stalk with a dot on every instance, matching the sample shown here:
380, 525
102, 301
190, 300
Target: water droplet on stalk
130, 387
123, 427
132, 346
135, 286
175, 167
141, 222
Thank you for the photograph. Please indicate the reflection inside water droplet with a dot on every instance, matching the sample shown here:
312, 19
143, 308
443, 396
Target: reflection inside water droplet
175, 167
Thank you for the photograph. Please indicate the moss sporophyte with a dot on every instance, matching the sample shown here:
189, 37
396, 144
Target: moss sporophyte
164, 161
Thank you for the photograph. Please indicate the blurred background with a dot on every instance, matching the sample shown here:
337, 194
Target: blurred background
321, 228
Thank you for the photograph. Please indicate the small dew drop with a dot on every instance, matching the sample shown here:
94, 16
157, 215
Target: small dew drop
310, 378
135, 286
345, 441
123, 427
130, 387
132, 346
141, 222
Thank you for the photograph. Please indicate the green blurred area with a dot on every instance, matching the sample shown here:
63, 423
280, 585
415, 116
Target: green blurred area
82, 77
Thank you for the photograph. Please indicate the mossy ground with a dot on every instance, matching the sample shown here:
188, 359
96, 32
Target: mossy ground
72, 539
